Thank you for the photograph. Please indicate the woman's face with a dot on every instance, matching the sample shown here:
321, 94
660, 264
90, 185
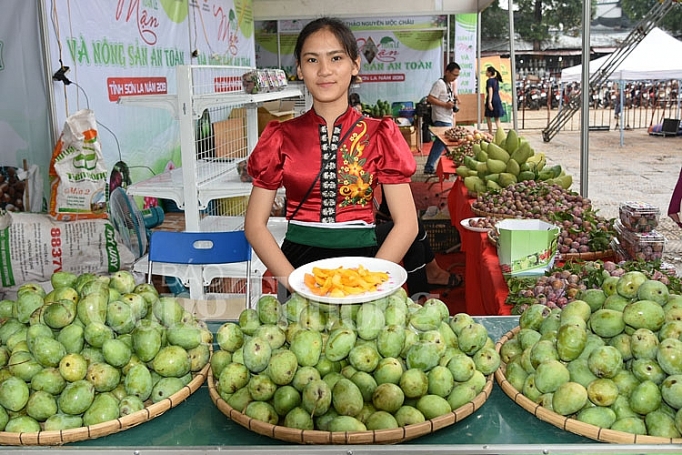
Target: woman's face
325, 68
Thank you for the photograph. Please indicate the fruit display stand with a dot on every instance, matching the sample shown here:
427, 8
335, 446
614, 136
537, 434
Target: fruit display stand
91, 432
500, 426
570, 424
485, 289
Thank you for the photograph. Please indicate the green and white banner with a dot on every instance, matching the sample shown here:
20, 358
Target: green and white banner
401, 57
132, 48
465, 52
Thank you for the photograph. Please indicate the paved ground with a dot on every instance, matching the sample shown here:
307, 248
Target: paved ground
645, 169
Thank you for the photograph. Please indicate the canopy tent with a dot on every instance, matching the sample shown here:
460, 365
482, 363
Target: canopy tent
653, 58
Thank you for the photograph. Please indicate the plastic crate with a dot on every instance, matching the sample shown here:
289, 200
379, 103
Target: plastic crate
442, 235
639, 216
647, 246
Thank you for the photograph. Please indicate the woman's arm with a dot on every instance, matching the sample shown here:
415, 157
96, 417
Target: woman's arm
261, 239
676, 197
405, 228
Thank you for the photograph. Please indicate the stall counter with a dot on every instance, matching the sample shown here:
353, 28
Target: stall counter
500, 426
485, 289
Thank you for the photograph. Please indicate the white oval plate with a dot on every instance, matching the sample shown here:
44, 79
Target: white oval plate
396, 277
465, 224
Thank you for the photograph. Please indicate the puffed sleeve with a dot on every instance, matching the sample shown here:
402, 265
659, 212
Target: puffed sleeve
397, 164
265, 163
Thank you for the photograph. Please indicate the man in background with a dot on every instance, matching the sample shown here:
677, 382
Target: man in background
443, 100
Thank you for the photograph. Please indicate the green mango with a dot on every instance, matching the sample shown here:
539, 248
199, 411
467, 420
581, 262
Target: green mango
173, 361
76, 397
496, 152
147, 342
513, 167
307, 346
495, 166
165, 388
512, 141
347, 398
184, 335
507, 179
479, 153
138, 382
103, 408
522, 153
61, 421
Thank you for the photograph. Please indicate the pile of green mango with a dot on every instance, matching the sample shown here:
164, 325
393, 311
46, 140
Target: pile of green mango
377, 365
381, 108
506, 160
612, 359
95, 348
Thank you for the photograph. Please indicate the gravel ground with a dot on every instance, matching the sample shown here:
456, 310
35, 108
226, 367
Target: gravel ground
645, 168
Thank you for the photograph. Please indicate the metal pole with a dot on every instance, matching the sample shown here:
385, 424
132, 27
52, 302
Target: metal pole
621, 117
478, 71
512, 57
584, 114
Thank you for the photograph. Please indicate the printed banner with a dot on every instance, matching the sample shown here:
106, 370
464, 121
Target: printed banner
465, 51
397, 66
502, 65
132, 48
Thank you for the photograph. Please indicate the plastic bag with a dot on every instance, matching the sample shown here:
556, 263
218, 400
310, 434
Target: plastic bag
77, 171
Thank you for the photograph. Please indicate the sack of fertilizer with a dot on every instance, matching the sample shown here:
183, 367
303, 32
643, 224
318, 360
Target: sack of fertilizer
33, 246
78, 175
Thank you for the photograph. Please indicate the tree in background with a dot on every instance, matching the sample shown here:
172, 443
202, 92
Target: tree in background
635, 10
494, 23
534, 19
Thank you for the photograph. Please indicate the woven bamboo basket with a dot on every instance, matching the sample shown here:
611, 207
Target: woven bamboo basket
566, 423
151, 411
392, 436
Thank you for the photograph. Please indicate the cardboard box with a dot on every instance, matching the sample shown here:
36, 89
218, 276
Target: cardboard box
526, 247
274, 110
410, 136
468, 109
230, 138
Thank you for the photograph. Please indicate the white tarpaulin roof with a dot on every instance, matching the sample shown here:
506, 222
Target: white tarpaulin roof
655, 57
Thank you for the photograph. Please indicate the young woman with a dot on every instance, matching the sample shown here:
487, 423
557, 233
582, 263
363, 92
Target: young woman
329, 160
493, 103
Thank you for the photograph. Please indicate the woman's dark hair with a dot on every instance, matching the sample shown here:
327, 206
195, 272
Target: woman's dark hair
492, 70
354, 99
452, 66
340, 31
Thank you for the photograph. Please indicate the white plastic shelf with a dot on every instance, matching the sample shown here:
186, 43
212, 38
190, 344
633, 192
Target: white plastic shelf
223, 181
201, 102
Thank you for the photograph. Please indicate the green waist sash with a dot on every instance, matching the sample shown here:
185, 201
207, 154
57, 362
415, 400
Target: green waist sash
331, 238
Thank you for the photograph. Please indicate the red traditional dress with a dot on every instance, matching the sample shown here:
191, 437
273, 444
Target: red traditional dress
330, 186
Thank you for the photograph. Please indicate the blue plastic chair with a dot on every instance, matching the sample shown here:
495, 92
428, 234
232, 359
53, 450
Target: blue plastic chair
201, 248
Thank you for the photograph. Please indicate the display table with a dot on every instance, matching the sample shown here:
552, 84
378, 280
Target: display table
485, 289
500, 426
445, 167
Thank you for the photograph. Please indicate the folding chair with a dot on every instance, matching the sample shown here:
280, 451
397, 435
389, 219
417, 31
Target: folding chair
201, 248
